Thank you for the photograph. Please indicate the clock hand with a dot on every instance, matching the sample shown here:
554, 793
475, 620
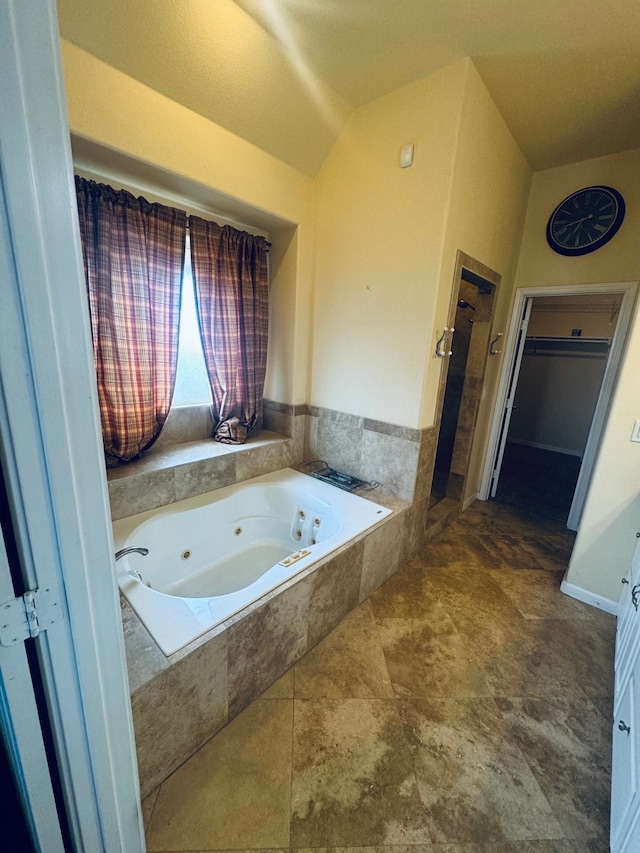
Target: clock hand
576, 225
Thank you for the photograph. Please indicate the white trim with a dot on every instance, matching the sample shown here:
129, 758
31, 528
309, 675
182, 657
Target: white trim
52, 452
591, 598
629, 288
510, 394
602, 407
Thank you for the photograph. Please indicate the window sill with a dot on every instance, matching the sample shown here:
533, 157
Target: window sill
183, 470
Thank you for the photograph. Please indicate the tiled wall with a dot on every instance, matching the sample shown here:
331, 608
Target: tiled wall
399, 458
371, 450
184, 461
195, 464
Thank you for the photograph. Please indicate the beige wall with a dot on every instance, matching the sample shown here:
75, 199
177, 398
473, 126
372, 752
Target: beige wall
380, 233
557, 391
486, 217
387, 239
112, 109
612, 510
555, 400
599, 323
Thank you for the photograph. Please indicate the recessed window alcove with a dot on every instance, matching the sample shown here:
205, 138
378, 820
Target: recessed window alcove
123, 171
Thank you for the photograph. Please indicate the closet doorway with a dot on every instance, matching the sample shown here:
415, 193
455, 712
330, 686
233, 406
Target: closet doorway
463, 348
560, 366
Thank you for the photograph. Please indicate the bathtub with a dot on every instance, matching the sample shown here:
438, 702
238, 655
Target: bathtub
212, 555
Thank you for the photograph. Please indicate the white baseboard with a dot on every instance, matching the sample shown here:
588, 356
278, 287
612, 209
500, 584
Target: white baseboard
469, 501
591, 598
551, 447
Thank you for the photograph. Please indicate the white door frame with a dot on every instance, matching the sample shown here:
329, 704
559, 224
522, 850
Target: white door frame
52, 459
510, 395
629, 290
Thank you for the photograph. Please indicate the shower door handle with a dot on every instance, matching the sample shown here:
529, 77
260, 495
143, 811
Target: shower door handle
441, 350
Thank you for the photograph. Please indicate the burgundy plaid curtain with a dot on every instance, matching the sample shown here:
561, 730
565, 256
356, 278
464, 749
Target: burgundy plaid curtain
133, 255
230, 275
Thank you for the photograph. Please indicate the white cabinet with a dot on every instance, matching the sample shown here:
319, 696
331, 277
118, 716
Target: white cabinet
625, 782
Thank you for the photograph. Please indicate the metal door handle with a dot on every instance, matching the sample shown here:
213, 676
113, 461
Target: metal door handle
441, 352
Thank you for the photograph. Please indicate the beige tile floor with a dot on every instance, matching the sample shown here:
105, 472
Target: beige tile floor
464, 708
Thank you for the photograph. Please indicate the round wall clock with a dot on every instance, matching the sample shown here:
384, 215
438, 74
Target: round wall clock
585, 220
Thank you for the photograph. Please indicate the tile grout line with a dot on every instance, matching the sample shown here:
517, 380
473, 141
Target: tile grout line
291, 767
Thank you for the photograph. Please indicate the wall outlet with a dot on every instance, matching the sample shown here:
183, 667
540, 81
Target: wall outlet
635, 434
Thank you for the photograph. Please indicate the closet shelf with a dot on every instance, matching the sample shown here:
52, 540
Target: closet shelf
568, 345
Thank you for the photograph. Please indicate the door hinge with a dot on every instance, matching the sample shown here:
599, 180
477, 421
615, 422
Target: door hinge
28, 616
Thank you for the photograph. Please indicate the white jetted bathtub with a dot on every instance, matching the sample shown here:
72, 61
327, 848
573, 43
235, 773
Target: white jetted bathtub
212, 555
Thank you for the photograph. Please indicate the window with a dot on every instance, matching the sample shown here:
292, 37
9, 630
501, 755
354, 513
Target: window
192, 383
148, 353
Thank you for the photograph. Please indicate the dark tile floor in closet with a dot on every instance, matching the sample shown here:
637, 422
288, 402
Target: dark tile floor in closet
464, 708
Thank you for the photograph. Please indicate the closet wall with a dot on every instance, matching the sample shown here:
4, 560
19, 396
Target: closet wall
562, 372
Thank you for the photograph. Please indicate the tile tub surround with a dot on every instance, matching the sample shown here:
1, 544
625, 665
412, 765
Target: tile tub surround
185, 461
184, 424
283, 418
181, 701
184, 470
209, 689
401, 458
194, 423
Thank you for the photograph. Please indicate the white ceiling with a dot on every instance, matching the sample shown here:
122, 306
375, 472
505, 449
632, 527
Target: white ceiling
286, 74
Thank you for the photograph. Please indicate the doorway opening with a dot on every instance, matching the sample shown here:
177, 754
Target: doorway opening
566, 348
464, 349
561, 360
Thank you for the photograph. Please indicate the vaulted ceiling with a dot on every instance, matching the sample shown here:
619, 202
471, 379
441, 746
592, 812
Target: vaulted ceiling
286, 74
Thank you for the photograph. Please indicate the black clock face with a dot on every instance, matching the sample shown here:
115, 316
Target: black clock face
585, 220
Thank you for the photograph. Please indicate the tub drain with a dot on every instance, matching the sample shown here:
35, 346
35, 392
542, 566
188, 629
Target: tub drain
186, 554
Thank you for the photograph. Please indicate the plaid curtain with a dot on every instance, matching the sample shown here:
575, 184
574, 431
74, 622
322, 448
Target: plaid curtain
133, 255
231, 284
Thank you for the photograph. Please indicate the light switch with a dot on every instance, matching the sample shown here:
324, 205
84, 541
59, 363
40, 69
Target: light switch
635, 435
